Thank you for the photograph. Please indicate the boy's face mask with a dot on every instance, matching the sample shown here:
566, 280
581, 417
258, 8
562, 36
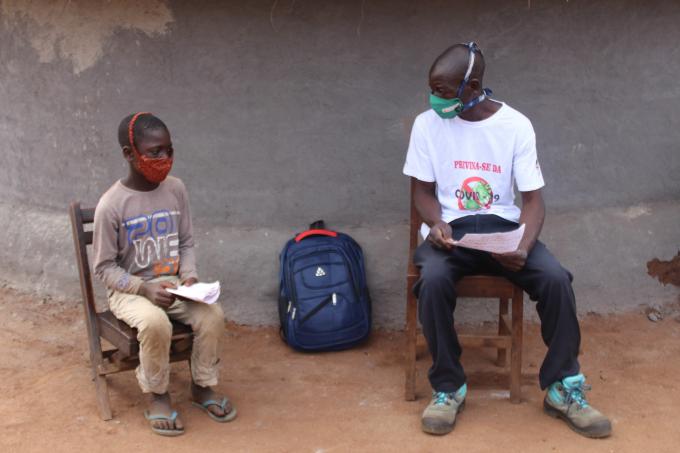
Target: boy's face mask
450, 108
153, 169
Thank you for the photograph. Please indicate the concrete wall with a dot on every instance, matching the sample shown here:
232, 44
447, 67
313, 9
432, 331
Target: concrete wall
283, 112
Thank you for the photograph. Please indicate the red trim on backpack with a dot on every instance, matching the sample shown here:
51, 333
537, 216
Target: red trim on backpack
308, 233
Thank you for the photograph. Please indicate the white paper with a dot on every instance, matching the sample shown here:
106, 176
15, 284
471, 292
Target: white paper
492, 242
199, 292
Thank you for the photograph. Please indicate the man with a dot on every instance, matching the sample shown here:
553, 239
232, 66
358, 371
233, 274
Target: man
463, 155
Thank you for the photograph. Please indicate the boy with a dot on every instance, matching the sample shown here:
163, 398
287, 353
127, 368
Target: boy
143, 245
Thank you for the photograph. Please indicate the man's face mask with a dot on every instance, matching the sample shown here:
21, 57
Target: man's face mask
450, 108
153, 169
446, 108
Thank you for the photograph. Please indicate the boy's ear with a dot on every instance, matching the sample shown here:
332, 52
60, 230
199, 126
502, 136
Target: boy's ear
127, 153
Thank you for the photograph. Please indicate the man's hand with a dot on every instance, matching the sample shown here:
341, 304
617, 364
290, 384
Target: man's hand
157, 294
441, 235
190, 281
513, 261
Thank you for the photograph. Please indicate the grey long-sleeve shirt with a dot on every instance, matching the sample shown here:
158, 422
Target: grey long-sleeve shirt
142, 235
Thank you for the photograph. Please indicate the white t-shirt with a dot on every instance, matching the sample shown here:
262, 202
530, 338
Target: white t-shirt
474, 162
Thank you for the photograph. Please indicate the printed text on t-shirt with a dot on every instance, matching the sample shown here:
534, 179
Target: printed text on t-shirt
156, 241
479, 166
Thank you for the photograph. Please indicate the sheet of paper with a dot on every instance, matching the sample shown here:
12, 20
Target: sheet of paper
199, 292
492, 242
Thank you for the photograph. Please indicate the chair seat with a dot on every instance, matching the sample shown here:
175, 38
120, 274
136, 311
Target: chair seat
479, 286
124, 337
485, 286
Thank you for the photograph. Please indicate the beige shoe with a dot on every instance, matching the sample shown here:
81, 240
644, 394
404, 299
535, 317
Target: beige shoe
567, 401
439, 416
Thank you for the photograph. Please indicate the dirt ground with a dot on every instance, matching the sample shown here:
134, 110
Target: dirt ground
335, 402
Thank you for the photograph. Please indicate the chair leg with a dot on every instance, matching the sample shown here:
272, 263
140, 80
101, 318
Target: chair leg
516, 350
411, 337
502, 353
100, 386
102, 390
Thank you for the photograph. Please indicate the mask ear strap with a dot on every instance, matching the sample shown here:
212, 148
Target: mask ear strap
472, 46
485, 92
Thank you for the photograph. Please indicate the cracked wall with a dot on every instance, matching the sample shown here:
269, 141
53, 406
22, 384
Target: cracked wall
79, 30
283, 112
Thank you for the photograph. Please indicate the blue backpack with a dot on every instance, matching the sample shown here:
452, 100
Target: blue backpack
324, 303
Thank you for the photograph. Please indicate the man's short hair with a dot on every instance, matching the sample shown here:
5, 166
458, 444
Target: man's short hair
451, 60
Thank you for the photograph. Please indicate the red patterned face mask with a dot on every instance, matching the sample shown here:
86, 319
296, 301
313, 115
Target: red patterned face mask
154, 170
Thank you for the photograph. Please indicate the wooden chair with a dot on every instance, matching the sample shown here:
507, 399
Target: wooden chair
509, 336
124, 356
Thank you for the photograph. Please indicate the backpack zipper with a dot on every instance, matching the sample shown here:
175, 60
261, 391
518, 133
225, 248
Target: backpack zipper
330, 299
345, 259
338, 250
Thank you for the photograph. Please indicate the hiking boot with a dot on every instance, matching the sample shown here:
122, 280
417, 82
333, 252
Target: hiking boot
440, 415
566, 400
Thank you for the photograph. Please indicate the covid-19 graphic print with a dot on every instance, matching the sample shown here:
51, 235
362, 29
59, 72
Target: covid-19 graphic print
474, 194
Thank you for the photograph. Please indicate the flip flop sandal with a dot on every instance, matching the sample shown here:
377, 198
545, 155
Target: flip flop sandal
221, 404
164, 432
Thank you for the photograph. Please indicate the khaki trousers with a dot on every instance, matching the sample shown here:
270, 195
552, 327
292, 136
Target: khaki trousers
155, 331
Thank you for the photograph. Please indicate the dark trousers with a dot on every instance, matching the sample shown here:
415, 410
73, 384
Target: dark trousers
543, 278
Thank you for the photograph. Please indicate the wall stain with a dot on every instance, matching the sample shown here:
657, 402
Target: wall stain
78, 29
668, 272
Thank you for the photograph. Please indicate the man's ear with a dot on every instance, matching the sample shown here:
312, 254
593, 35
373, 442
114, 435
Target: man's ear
127, 154
475, 86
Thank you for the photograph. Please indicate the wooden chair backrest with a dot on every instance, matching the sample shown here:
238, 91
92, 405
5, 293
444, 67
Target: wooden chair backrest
81, 239
414, 231
416, 220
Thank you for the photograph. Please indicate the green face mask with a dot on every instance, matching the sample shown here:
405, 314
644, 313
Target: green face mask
446, 108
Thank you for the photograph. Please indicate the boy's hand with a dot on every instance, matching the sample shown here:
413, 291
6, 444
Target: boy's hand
513, 261
441, 235
190, 281
157, 294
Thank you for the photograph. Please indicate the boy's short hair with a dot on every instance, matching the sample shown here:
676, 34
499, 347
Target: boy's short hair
143, 123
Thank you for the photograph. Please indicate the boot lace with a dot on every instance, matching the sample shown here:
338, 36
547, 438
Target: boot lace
576, 395
442, 398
